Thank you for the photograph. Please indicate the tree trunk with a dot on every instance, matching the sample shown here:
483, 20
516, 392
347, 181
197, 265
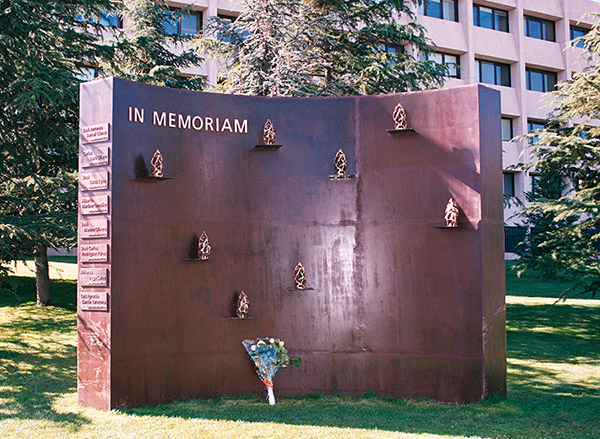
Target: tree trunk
42, 277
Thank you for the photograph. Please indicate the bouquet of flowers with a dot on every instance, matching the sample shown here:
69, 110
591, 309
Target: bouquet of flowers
269, 356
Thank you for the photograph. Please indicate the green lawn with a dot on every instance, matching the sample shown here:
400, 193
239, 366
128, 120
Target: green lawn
553, 376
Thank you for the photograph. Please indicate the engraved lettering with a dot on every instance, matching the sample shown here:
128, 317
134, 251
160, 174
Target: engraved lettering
159, 119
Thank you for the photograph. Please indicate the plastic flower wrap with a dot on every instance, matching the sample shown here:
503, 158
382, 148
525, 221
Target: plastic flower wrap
269, 355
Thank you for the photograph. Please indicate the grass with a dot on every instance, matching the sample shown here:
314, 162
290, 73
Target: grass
530, 284
56, 258
553, 385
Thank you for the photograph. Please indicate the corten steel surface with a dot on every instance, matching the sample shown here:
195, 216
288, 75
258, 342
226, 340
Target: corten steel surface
398, 305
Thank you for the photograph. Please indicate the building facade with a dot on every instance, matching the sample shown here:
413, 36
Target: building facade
520, 47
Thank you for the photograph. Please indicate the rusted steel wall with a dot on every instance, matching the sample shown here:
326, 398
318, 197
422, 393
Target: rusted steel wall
399, 306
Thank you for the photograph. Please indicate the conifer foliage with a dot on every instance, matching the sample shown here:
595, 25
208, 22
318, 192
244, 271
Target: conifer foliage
322, 47
569, 148
43, 47
152, 48
268, 50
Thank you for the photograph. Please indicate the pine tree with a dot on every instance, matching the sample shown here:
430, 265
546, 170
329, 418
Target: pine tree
268, 50
573, 155
150, 48
371, 47
538, 226
327, 48
43, 48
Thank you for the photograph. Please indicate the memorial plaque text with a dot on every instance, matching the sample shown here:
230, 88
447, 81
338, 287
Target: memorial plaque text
93, 253
93, 300
94, 156
96, 228
93, 180
94, 205
95, 133
93, 277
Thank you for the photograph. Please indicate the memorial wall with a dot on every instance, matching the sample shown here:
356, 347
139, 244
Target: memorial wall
188, 199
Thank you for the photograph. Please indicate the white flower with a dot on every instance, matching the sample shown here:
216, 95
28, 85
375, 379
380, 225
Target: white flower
272, 340
281, 343
253, 347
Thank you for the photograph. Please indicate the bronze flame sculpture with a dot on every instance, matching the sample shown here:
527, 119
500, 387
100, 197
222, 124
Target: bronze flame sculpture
451, 215
399, 117
156, 164
269, 133
203, 247
341, 164
242, 305
299, 277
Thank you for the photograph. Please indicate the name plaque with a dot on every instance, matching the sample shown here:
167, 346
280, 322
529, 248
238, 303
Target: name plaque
93, 277
91, 181
94, 205
90, 229
93, 253
93, 300
94, 156
95, 133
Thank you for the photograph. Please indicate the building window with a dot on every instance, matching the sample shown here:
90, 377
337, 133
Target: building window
508, 185
540, 80
513, 238
533, 126
104, 19
452, 62
490, 72
578, 32
444, 9
110, 20
88, 74
533, 184
187, 24
490, 18
507, 129
228, 19
539, 28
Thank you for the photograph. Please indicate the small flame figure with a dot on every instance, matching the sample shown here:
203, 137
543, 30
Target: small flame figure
242, 305
203, 247
399, 117
300, 277
156, 164
451, 216
269, 133
341, 164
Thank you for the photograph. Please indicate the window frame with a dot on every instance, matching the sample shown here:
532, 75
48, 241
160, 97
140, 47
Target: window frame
533, 183
422, 9
103, 16
230, 19
512, 134
531, 128
496, 66
477, 18
199, 14
512, 184
424, 57
543, 22
583, 30
546, 74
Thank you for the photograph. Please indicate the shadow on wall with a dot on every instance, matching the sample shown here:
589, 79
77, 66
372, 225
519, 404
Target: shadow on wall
535, 391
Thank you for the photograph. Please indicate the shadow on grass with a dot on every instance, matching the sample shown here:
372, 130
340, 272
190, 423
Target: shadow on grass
64, 293
38, 356
542, 403
523, 417
38, 366
553, 333
533, 284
